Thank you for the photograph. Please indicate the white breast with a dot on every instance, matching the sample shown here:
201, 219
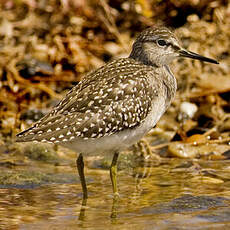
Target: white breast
119, 141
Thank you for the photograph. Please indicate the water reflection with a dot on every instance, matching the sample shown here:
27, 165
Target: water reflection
141, 188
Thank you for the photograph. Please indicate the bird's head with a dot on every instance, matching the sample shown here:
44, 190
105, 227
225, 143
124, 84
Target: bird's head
158, 46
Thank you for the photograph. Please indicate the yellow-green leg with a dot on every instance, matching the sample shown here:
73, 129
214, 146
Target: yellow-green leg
113, 176
80, 167
113, 173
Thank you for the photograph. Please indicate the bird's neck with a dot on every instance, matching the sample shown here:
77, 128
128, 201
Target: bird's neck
139, 54
170, 84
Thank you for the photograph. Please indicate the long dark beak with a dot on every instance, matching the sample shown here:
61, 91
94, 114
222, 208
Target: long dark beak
189, 54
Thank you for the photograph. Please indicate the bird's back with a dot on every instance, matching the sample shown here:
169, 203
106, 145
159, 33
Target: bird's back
116, 97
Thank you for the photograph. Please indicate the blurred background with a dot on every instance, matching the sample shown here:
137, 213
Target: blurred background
46, 47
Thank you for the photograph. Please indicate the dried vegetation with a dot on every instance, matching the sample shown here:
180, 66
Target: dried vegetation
47, 46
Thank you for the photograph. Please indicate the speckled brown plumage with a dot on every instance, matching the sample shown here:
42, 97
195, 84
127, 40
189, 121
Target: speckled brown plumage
123, 99
107, 101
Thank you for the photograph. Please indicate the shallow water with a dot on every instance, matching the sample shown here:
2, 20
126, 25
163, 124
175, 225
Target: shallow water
172, 194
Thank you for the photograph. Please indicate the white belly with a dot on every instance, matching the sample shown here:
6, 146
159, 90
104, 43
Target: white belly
119, 141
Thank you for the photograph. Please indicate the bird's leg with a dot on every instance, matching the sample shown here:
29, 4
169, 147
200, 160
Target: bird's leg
80, 167
113, 174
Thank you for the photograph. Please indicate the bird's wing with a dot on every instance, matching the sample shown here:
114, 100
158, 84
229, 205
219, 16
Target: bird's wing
99, 106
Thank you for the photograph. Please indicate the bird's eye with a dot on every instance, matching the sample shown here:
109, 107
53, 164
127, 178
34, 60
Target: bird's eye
161, 42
